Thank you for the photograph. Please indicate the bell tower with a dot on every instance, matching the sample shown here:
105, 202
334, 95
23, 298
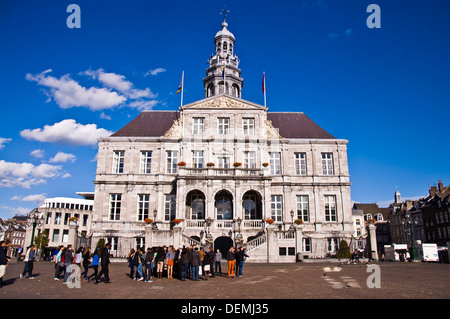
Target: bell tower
223, 75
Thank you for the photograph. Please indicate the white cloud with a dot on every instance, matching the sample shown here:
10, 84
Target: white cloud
15, 210
37, 153
119, 83
67, 175
104, 116
62, 157
67, 132
3, 141
155, 71
26, 175
68, 93
37, 198
141, 105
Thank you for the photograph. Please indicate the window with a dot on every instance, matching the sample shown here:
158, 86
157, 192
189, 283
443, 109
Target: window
55, 237
330, 208
275, 163
303, 208
249, 159
223, 126
332, 245
224, 209
172, 161
145, 166
197, 159
143, 206
140, 242
58, 218
327, 164
306, 243
198, 126
248, 126
169, 207
276, 208
249, 205
118, 160
300, 163
49, 218
224, 162
114, 206
85, 219
66, 218
197, 206
65, 236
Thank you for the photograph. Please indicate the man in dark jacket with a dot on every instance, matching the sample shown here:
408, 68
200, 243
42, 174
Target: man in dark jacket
105, 264
3, 259
240, 258
195, 263
231, 262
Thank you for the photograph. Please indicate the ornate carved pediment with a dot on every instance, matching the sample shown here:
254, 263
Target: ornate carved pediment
223, 102
176, 129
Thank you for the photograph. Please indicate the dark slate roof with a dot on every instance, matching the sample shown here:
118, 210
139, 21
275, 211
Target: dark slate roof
296, 125
157, 123
149, 124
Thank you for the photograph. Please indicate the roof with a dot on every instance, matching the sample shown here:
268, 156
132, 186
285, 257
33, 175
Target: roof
296, 125
149, 124
157, 123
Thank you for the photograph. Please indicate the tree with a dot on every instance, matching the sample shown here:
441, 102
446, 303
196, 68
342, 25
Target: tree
344, 250
100, 244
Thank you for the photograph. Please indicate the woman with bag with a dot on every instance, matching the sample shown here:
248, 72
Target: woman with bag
94, 264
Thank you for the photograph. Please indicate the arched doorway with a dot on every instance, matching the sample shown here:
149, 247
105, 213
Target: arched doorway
224, 205
223, 243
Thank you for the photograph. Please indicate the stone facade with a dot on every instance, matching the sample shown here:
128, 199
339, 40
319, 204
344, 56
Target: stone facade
214, 172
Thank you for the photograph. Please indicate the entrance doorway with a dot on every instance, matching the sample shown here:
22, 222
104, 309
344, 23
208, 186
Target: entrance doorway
223, 243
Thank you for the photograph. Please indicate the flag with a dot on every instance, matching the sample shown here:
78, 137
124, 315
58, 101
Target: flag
181, 85
264, 83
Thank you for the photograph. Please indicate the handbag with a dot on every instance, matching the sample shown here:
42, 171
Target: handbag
206, 268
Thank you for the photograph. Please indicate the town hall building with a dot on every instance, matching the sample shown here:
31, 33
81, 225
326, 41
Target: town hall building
225, 172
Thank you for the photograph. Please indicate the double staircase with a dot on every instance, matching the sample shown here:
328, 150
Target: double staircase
256, 249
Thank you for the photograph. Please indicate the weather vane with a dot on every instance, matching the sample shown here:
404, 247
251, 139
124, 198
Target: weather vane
224, 12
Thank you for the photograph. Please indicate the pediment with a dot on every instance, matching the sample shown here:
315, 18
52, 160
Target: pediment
223, 102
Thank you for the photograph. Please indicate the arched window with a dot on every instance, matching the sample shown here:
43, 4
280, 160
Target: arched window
224, 46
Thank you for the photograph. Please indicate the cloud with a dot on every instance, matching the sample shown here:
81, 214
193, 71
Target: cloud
62, 157
141, 105
37, 153
67, 132
37, 198
155, 71
346, 33
3, 141
26, 175
68, 93
15, 210
118, 82
104, 116
349, 32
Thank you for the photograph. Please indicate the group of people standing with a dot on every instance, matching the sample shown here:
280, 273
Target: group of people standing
182, 263
65, 257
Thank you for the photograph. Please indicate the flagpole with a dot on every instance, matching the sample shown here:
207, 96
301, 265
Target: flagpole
264, 77
182, 87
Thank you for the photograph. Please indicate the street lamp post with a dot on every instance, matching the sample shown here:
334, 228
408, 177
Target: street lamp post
35, 220
413, 251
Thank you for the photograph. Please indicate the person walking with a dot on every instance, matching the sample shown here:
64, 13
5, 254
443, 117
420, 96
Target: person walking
231, 262
195, 263
94, 264
29, 260
4, 244
218, 261
105, 264
86, 262
68, 260
59, 268
170, 256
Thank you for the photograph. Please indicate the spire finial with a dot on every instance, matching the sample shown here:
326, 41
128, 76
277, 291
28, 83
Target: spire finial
225, 13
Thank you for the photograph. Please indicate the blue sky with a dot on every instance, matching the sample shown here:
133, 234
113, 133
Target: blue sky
385, 90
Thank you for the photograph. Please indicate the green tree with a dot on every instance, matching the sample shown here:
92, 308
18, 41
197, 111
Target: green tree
344, 250
100, 244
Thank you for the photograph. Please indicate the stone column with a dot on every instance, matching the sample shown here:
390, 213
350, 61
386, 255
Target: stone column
373, 242
73, 230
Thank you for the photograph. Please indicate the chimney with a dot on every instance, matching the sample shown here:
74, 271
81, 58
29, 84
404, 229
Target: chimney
433, 191
441, 186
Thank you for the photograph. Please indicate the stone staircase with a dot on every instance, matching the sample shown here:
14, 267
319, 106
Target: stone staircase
256, 249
